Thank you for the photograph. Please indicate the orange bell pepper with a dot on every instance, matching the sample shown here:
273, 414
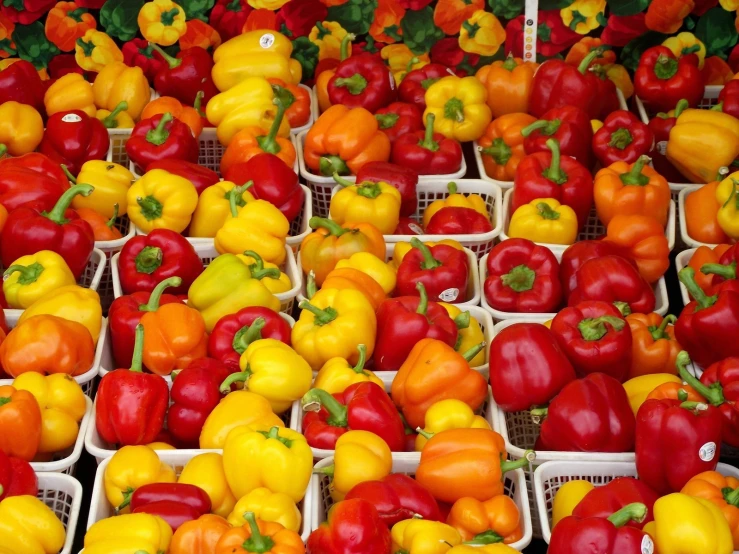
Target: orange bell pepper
298, 113
261, 19
434, 371
508, 83
585, 46
350, 278
190, 116
246, 144
460, 463
653, 345
20, 423
675, 391
497, 519
266, 537
635, 189
103, 229
450, 14
706, 255
721, 491
645, 240
343, 140
200, 34
716, 71
701, 215
199, 536
666, 16
65, 23
502, 145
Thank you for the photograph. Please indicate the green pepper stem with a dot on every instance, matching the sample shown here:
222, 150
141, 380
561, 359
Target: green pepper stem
635, 175
509, 465
248, 334
111, 121
156, 295
126, 497
428, 435
331, 226
149, 259
72, 178
423, 299
631, 512
257, 268
451, 187
521, 278
548, 128
159, 135
341, 181
498, 150
623, 307
314, 399
510, 62
359, 368
665, 68
554, 172
171, 60
109, 224
731, 496
694, 406
728, 271
714, 394
681, 106
487, 537
428, 141
3, 151
344, 47
137, 363
429, 262
546, 211
687, 277
256, 542
310, 288
283, 99
322, 317
356, 84
587, 60
540, 413
239, 376
474, 351
235, 198
659, 333
57, 213
28, 273
328, 165
593, 329
620, 138
386, 120
462, 321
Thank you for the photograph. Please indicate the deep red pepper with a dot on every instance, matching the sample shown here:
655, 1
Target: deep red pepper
442, 269
553, 35
728, 98
530, 367
353, 527
25, 11
63, 64
186, 75
623, 137
228, 17
362, 81
448, 53
426, 152
145, 261
414, 4
17, 477
661, 80
611, 497
49, 181
397, 497
579, 253
622, 29
161, 137
402, 178
399, 118
661, 125
570, 126
361, 407
176, 503
371, 46
724, 273
20, 82
595, 337
522, 277
173, 512
200, 176
408, 226
296, 19
412, 88
458, 221
139, 53
73, 138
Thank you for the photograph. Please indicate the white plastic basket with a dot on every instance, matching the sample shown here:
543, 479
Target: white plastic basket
63, 495
100, 508
515, 488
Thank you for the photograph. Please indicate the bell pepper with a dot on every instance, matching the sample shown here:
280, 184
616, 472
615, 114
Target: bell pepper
274, 280
350, 278
17, 477
259, 536
398, 119
200, 535
116, 83
270, 506
353, 527
401, 249
660, 126
299, 112
654, 348
481, 34
70, 92
214, 207
661, 80
71, 302
239, 408
701, 215
129, 533
402, 178
544, 220
22, 129
366, 202
161, 137
442, 269
161, 200
162, 21
111, 183
138, 52
201, 177
73, 138
496, 520
623, 137
417, 535
413, 87
362, 81
191, 116
644, 240
718, 490
382, 273
617, 494
130, 468
15, 174
258, 226
207, 472
95, 50
20, 422
455, 221
19, 82
185, 77
514, 368
569, 495
728, 214
508, 83
459, 108
31, 277
631, 189
427, 152
29, 525
175, 503
569, 125
707, 256
502, 145
470, 333
448, 414
728, 100
117, 118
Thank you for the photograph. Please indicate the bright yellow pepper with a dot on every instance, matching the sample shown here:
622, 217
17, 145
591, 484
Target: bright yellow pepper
27, 525
259, 226
21, 128
728, 198
70, 92
278, 459
214, 207
337, 374
638, 388
686, 43
239, 408
70, 302
333, 324
449, 414
497, 548
273, 279
459, 107
62, 404
568, 497
544, 220
481, 34
267, 506
128, 534
359, 456
162, 22
130, 468
583, 16
111, 182
96, 50
30, 277
383, 273
418, 536
117, 118
470, 333
368, 202
161, 200
118, 83
327, 35
401, 60
455, 200
207, 472
402, 248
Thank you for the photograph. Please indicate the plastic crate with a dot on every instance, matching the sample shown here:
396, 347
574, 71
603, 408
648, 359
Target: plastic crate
100, 508
515, 488
63, 495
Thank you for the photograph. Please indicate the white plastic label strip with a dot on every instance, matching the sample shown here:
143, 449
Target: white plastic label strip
529, 30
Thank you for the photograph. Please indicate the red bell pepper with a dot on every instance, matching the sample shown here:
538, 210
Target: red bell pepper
402, 178
591, 414
414, 4
186, 75
661, 80
458, 221
25, 11
570, 126
530, 367
622, 29
353, 527
522, 277
362, 406
728, 98
408, 226
399, 118
200, 176
724, 273
20, 82
233, 333
17, 477
551, 175
397, 497
426, 152
228, 17
661, 125
623, 137
403, 321
30, 229
130, 404
413, 87
63, 64
49, 181
73, 138
299, 17
579, 253
708, 326
139, 53
448, 53
595, 337
611, 497
362, 82
175, 503
442, 269
557, 83
615, 280
553, 35
603, 536
161, 137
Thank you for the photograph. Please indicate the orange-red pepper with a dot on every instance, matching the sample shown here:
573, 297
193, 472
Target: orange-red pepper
497, 519
199, 536
716, 71
675, 391
706, 255
20, 423
585, 46
266, 537
103, 229
508, 83
298, 113
245, 145
200, 34
65, 23
666, 16
502, 145
653, 345
701, 215
385, 26
350, 278
189, 115
644, 238
721, 491
450, 14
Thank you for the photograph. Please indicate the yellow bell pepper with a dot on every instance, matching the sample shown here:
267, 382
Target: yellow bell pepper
161, 200
449, 414
117, 118
207, 472
544, 220
226, 286
402, 248
470, 333
368, 202
583, 16
327, 35
21, 128
128, 534
419, 536
95, 51
70, 92
595, 124
62, 404
455, 200
273, 279
132, 467
401, 60
359, 456
239, 408
111, 182
337, 374
567, 499
118, 83
70, 302
162, 22
497, 548
459, 107
638, 388
686, 525
259, 226
334, 323
255, 54
214, 207
369, 264
728, 213
27, 525
481, 34
267, 506
621, 78
278, 459
30, 277
686, 43
160, 446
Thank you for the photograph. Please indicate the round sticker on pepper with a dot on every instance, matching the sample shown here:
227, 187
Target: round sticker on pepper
71, 118
707, 452
449, 295
415, 228
266, 40
647, 545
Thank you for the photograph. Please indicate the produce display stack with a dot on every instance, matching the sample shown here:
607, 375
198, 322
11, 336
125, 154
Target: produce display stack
369, 276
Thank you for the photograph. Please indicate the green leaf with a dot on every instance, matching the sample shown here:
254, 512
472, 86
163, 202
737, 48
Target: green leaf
717, 31
419, 31
627, 7
197, 9
554, 4
507, 9
119, 18
307, 54
633, 50
32, 45
355, 15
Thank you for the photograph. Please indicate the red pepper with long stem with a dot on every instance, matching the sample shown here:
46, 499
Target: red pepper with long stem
161, 137
17, 477
399, 118
402, 178
49, 181
73, 138
413, 87
200, 176
362, 82
426, 152
576, 255
661, 80
20, 82
175, 503
661, 125
454, 220
442, 269
353, 527
186, 75
570, 126
623, 137
614, 495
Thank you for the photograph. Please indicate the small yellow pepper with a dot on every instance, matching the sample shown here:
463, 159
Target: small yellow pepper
95, 51
728, 197
214, 207
482, 34
70, 92
418, 536
359, 456
455, 200
686, 43
369, 264
132, 467
402, 248
21, 128
27, 525
401, 60
327, 35
337, 374
118, 83
459, 107
117, 118
568, 497
111, 182
259, 226
267, 506
161, 200
638, 388
470, 333
30, 277
70, 302
583, 16
162, 22
239, 408
449, 414
128, 534
544, 220
207, 472
368, 202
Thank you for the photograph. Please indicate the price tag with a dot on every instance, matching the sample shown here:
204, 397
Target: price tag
266, 40
707, 452
531, 13
71, 118
449, 295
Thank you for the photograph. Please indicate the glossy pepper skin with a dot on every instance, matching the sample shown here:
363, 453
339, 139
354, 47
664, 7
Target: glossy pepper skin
31, 277
623, 137
603, 501
201, 177
398, 119
442, 269
362, 81
720, 491
73, 138
151, 533
175, 503
569, 125
161, 137
654, 347
354, 527
660, 126
20, 82
493, 521
15, 174
577, 254
520, 352
17, 477
187, 74
458, 220
427, 152
414, 85
29, 525
20, 421
401, 177
661, 80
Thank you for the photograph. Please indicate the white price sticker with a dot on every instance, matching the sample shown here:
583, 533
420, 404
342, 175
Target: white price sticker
416, 228
662, 147
707, 452
449, 295
266, 40
71, 118
647, 545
